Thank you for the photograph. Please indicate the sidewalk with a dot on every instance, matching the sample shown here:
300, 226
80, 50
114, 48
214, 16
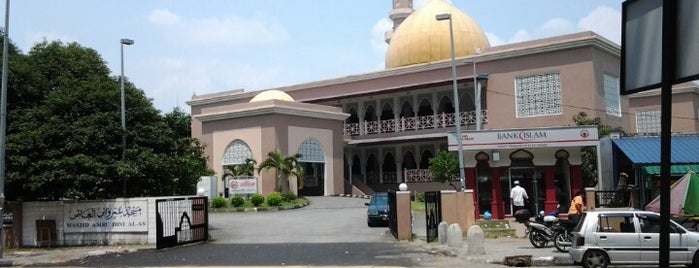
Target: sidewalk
33, 256
496, 249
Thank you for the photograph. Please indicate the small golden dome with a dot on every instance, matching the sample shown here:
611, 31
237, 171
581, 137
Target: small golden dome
422, 38
272, 94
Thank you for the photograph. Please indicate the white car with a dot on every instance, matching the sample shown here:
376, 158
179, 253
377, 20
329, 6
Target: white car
605, 237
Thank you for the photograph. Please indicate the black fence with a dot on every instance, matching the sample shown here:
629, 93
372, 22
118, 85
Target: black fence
393, 213
614, 199
433, 214
181, 221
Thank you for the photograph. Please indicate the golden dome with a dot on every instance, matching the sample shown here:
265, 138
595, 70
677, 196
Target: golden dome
422, 38
272, 94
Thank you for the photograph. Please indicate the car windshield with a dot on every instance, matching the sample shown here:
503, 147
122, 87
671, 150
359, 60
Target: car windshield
580, 223
380, 199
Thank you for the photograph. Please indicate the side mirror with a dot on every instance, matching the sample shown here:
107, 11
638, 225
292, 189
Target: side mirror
366, 204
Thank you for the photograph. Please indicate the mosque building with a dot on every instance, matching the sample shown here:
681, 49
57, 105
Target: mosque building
369, 132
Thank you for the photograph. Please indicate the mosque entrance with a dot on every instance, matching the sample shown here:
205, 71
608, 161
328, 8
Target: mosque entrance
312, 161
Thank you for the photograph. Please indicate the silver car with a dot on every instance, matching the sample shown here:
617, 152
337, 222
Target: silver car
605, 237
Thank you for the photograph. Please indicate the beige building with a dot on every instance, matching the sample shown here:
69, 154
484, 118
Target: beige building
378, 129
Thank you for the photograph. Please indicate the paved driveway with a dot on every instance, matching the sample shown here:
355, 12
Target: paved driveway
324, 220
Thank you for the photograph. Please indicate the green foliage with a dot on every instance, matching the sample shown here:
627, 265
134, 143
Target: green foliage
218, 202
588, 154
443, 167
245, 169
275, 199
285, 166
420, 197
237, 200
64, 132
257, 199
288, 196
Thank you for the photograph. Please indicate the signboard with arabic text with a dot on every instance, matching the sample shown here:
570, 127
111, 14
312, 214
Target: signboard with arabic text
106, 216
243, 185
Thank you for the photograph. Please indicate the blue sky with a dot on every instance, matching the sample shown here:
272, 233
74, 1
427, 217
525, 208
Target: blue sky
190, 47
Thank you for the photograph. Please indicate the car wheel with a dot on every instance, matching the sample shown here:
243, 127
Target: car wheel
695, 261
537, 238
562, 241
595, 259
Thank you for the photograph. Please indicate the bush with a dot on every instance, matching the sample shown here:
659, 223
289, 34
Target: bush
257, 199
218, 202
237, 200
289, 196
274, 199
420, 197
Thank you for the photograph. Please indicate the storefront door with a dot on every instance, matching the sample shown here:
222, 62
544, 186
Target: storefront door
531, 180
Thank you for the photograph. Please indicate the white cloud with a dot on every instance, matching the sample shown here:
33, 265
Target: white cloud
605, 21
217, 31
31, 38
163, 17
378, 42
494, 40
520, 36
554, 27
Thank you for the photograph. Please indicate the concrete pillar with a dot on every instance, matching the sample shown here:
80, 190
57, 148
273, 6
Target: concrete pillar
458, 207
590, 198
551, 202
404, 215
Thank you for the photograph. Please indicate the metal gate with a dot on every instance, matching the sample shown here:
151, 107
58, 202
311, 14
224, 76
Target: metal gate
181, 221
433, 214
392, 214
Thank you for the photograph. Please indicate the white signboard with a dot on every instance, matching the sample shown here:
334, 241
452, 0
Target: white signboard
106, 216
246, 185
525, 138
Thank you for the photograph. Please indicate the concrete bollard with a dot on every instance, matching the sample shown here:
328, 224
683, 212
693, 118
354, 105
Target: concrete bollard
475, 240
442, 232
455, 236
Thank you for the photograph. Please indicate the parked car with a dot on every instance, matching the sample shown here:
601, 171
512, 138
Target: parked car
610, 237
377, 211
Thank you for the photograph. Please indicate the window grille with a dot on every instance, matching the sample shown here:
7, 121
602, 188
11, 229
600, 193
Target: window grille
236, 153
648, 121
538, 95
611, 95
311, 151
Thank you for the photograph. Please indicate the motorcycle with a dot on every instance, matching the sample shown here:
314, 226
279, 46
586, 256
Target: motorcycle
564, 238
542, 230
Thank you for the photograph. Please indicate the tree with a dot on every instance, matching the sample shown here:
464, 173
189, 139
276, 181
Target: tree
64, 132
443, 167
588, 154
285, 166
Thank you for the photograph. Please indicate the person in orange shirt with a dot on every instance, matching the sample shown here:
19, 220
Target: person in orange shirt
576, 207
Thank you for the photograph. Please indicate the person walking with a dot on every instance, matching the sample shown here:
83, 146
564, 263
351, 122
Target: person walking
518, 197
577, 206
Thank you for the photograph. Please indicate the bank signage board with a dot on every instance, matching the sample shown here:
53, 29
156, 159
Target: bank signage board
243, 185
525, 138
105, 216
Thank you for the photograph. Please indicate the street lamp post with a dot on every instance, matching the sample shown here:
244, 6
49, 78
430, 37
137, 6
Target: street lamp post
128, 42
459, 139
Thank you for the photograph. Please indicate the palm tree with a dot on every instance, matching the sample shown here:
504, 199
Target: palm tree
245, 169
285, 166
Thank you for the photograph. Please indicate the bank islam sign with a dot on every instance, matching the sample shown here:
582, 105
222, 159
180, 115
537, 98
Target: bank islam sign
525, 138
106, 216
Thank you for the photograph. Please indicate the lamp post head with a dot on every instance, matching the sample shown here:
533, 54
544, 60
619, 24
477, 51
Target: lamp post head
445, 16
125, 41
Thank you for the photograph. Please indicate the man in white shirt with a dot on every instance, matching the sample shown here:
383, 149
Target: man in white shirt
518, 197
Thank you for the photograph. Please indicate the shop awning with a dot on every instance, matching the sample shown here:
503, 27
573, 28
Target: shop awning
674, 169
646, 150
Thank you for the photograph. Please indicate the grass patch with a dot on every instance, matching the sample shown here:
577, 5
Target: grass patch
417, 206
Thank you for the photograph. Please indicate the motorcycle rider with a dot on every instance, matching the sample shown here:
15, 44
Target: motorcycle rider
577, 206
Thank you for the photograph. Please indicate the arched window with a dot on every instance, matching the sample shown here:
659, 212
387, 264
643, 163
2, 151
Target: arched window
387, 112
406, 110
311, 151
484, 185
353, 118
370, 113
425, 108
409, 161
425, 159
